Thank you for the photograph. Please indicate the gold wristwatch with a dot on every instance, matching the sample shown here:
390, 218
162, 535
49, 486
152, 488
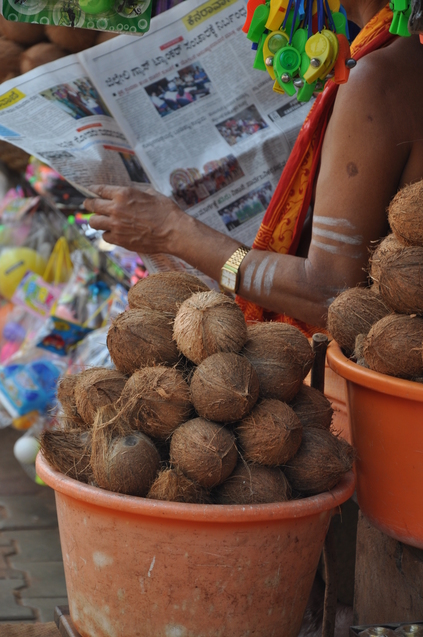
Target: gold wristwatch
229, 277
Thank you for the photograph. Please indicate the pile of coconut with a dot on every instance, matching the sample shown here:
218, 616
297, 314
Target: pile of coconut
24, 46
381, 326
201, 408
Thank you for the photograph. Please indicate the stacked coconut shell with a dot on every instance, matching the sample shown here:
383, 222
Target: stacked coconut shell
201, 407
23, 47
381, 326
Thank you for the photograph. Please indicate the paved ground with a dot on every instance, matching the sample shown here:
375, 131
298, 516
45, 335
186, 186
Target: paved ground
32, 581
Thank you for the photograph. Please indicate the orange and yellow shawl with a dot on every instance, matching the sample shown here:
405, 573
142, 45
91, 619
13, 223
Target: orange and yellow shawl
281, 228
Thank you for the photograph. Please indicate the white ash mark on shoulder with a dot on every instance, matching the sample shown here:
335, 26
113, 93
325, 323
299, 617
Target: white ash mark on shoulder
333, 221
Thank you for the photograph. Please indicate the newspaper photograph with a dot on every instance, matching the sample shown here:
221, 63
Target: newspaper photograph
55, 113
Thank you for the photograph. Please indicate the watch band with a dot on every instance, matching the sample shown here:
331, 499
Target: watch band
234, 262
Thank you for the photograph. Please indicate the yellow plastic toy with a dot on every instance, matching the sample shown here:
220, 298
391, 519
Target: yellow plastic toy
59, 267
14, 264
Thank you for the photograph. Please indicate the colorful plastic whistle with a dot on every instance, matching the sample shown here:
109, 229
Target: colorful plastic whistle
286, 63
299, 40
399, 25
344, 13
340, 23
277, 88
318, 49
400, 5
273, 43
286, 82
251, 7
258, 23
277, 14
259, 59
342, 72
334, 52
305, 93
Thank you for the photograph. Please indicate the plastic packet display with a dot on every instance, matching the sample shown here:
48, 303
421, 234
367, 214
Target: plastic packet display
92, 350
123, 16
28, 381
21, 325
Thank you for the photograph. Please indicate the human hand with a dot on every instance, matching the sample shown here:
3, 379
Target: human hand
136, 218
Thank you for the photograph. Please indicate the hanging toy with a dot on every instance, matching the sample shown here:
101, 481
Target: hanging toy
304, 43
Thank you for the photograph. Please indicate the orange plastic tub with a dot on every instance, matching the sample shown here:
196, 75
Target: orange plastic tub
138, 567
386, 421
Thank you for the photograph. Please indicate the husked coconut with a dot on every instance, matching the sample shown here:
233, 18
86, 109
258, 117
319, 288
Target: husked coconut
204, 451
281, 356
394, 346
405, 214
208, 323
270, 434
224, 387
354, 312
141, 338
254, 484
164, 291
171, 485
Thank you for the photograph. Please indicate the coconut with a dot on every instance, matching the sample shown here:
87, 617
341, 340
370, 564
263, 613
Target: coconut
95, 388
224, 387
164, 291
389, 245
354, 312
10, 53
204, 451
21, 32
320, 463
172, 485
71, 39
270, 434
281, 356
401, 281
405, 214
312, 408
156, 400
207, 323
394, 346
138, 338
40, 54
254, 484
122, 460
68, 451
360, 341
66, 397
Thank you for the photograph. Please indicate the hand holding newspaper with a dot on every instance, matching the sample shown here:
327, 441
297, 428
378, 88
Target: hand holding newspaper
180, 107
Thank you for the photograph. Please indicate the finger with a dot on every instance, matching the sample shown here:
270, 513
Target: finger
99, 206
105, 192
99, 222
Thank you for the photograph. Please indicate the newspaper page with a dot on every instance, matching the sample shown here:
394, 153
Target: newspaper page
55, 113
206, 126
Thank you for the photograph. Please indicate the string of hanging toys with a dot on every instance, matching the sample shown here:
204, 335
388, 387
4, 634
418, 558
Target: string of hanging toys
303, 44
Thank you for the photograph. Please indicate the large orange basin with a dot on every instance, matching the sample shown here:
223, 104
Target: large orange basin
138, 567
386, 421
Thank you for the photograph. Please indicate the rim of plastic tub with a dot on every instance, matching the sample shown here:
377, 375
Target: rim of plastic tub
196, 512
382, 383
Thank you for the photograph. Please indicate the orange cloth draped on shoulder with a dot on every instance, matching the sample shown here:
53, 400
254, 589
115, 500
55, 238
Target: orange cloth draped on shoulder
283, 221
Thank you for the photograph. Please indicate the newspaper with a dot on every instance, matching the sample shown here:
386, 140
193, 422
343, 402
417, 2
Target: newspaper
181, 107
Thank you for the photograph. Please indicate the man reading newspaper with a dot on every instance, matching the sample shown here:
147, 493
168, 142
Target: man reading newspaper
361, 142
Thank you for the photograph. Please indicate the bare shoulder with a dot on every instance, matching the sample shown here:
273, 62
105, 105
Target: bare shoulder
386, 89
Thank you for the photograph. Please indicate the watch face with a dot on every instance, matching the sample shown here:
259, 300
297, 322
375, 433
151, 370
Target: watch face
228, 280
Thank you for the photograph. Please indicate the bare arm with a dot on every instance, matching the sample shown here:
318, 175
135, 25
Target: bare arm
361, 167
